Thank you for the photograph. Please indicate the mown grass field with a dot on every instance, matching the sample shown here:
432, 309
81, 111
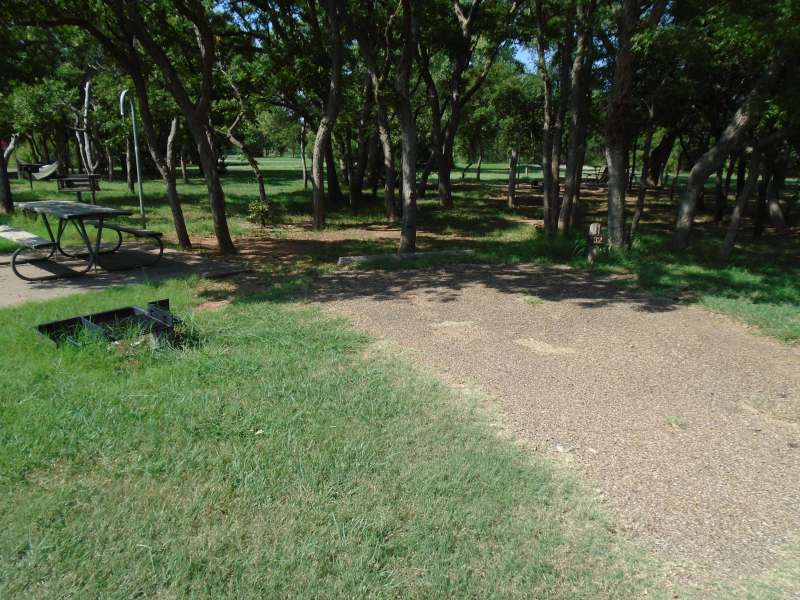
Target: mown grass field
278, 454
759, 286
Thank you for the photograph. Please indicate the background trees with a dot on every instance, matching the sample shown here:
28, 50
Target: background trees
636, 86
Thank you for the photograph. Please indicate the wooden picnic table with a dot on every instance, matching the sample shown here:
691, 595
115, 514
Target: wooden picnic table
79, 215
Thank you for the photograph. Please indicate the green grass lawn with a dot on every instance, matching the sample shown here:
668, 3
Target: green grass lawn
278, 455
759, 286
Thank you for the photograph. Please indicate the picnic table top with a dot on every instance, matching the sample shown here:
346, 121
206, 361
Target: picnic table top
64, 209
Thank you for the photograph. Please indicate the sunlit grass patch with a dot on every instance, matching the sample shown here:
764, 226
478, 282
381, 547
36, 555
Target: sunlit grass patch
278, 457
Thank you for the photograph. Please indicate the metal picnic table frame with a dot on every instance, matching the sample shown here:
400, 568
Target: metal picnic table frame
78, 214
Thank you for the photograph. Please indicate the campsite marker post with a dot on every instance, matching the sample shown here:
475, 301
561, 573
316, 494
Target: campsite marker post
135, 148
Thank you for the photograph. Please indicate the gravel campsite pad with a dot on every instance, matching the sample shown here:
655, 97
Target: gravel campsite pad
686, 423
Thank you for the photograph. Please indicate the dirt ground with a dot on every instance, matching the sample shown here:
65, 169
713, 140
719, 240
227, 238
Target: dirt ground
685, 423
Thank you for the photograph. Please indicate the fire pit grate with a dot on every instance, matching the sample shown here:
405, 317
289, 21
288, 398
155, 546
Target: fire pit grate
155, 321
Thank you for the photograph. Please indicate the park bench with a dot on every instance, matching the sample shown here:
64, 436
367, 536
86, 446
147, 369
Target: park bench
136, 232
77, 184
26, 241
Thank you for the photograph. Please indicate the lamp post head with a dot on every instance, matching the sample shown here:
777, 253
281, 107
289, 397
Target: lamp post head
122, 102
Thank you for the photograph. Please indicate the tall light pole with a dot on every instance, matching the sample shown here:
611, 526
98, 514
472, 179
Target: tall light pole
122, 97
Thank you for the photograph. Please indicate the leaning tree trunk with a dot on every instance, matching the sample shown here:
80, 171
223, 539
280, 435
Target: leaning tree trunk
168, 173
709, 162
251, 160
659, 158
164, 161
741, 204
216, 196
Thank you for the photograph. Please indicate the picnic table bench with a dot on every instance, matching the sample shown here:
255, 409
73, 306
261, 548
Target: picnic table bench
79, 183
79, 215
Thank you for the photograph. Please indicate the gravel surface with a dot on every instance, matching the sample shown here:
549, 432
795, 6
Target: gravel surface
14, 290
687, 424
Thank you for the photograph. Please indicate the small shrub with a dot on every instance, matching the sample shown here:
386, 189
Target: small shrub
263, 214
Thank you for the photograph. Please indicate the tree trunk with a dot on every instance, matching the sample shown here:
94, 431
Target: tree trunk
129, 165
408, 133
741, 204
362, 152
741, 175
674, 183
335, 195
512, 177
216, 195
345, 152
303, 154
632, 169
436, 122
465, 169
251, 160
729, 176
659, 158
322, 143
169, 176
720, 200
578, 113
163, 160
761, 205
548, 193
564, 82
445, 168
425, 174
388, 166
372, 162
6, 200
184, 172
640, 195
617, 159
773, 197
109, 161
480, 162
709, 162
618, 124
